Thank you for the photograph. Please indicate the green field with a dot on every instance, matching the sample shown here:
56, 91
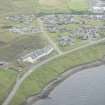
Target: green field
46, 73
22, 45
78, 5
17, 6
35, 6
7, 79
65, 5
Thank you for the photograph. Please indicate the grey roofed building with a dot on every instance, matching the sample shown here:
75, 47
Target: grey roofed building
25, 24
21, 17
56, 28
58, 19
65, 40
25, 30
37, 54
87, 33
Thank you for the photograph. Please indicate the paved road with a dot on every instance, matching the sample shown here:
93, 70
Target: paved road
28, 73
47, 36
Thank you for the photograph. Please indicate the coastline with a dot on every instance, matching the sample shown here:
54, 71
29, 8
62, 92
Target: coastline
54, 83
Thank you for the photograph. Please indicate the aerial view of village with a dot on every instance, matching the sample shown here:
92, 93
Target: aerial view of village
52, 52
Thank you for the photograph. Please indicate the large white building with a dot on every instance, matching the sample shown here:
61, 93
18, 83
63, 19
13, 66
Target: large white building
37, 54
99, 6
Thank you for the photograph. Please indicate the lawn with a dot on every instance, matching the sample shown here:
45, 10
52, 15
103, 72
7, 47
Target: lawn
7, 79
46, 73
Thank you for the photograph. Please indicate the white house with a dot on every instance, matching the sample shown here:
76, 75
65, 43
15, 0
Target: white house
96, 9
36, 55
99, 6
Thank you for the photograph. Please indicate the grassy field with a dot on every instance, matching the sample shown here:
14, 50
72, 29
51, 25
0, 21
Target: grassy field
35, 6
63, 5
43, 75
5, 36
78, 5
22, 45
7, 79
17, 6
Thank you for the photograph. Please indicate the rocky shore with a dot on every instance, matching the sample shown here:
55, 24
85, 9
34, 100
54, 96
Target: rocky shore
47, 90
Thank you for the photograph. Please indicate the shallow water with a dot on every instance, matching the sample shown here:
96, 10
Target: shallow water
83, 88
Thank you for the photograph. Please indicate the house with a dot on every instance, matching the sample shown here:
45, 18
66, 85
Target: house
26, 25
54, 23
96, 9
65, 40
37, 54
88, 33
99, 6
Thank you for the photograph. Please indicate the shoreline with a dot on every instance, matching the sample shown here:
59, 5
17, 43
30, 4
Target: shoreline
63, 76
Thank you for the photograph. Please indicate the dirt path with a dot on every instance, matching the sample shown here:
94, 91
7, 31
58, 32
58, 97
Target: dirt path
47, 37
